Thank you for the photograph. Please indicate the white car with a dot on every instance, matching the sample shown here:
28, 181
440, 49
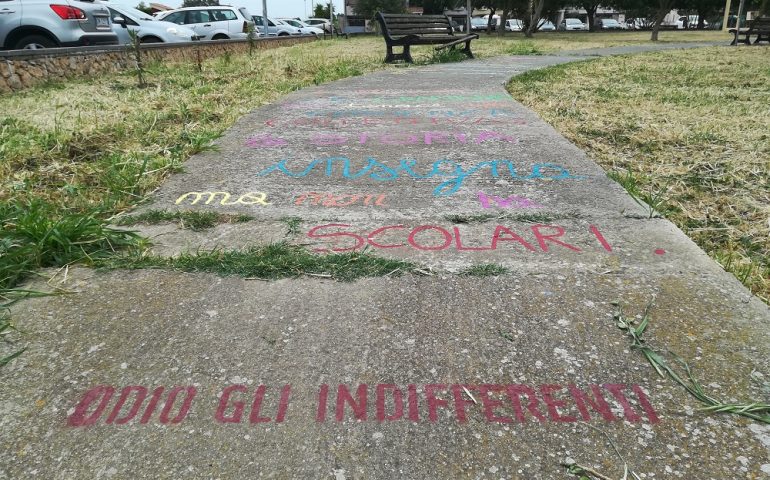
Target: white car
304, 28
147, 28
212, 23
274, 27
572, 24
514, 25
322, 23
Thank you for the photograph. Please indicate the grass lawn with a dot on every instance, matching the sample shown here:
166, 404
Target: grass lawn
76, 153
682, 130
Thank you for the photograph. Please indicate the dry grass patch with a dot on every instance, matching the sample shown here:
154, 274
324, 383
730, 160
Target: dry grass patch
690, 128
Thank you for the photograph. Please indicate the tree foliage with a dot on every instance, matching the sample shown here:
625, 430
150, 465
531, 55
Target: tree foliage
368, 8
200, 3
144, 8
321, 10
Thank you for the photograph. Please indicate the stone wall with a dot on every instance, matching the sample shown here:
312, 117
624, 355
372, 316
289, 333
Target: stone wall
22, 69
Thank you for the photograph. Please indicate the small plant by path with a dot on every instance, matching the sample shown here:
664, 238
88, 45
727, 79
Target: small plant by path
6, 329
190, 219
757, 411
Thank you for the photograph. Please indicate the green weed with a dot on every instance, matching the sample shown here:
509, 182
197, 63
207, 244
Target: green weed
190, 219
524, 47
756, 410
485, 270
279, 260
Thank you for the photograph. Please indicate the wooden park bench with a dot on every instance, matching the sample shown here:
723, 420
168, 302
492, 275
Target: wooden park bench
759, 27
407, 30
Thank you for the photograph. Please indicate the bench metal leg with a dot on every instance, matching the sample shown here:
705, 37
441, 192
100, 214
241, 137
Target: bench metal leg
467, 49
392, 57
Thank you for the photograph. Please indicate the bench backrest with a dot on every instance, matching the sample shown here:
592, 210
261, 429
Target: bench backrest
761, 24
402, 25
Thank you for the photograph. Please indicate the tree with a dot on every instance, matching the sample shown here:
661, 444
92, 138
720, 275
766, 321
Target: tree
435, 7
368, 8
200, 3
144, 8
321, 10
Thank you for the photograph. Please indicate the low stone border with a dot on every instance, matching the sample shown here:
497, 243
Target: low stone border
20, 69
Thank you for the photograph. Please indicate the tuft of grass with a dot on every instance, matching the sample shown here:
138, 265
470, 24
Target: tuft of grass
6, 329
757, 411
36, 235
274, 261
485, 270
525, 47
506, 335
293, 225
460, 218
190, 219
653, 202
448, 55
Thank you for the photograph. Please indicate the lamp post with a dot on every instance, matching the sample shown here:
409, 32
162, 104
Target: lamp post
264, 18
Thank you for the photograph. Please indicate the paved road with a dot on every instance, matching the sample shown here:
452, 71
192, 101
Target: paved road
156, 374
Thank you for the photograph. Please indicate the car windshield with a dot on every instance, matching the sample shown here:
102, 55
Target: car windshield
573, 21
611, 22
478, 21
134, 13
293, 23
244, 12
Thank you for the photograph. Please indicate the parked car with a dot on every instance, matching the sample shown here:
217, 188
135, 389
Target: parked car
212, 23
546, 26
322, 23
572, 24
275, 28
514, 25
148, 28
478, 23
611, 24
56, 23
690, 21
304, 28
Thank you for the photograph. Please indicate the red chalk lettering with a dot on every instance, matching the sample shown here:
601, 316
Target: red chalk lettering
283, 404
414, 413
514, 394
358, 406
150, 410
511, 237
256, 406
183, 410
398, 403
541, 239
141, 394
379, 231
80, 417
600, 237
433, 402
224, 402
323, 396
316, 200
616, 389
266, 140
458, 391
333, 201
597, 403
644, 402
461, 247
359, 240
489, 404
553, 404
413, 234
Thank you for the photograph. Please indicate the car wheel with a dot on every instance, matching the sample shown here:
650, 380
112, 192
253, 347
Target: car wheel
220, 37
151, 39
282, 34
34, 42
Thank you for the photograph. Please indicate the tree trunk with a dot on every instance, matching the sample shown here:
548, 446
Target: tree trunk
491, 19
503, 19
591, 12
534, 17
664, 8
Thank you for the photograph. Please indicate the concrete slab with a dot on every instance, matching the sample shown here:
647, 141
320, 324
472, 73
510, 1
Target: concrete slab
153, 374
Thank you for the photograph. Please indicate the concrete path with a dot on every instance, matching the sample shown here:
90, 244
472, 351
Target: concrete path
157, 374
